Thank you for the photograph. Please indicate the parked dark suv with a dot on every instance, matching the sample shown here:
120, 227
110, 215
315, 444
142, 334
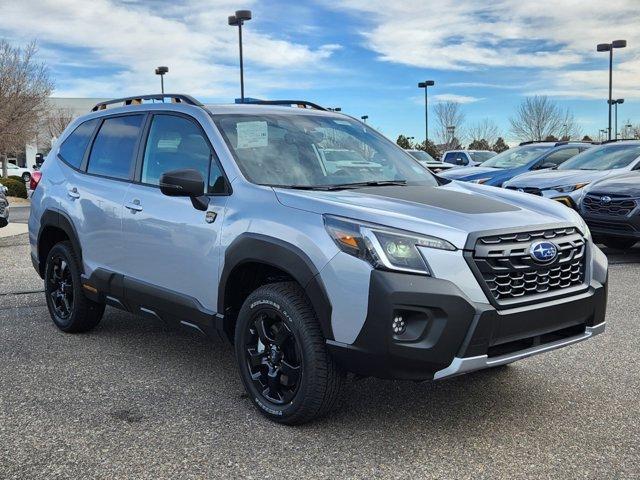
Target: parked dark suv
611, 208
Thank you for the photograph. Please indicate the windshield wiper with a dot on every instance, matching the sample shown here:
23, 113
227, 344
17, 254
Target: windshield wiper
375, 183
344, 186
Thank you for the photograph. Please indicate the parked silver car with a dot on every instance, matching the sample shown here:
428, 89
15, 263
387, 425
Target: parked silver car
227, 219
565, 183
4, 207
428, 161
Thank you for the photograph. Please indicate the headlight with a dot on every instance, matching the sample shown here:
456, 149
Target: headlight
569, 188
479, 180
384, 248
582, 225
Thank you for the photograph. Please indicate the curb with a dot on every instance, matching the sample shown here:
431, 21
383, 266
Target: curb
13, 229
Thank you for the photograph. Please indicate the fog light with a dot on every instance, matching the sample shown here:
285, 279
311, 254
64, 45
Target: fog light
398, 325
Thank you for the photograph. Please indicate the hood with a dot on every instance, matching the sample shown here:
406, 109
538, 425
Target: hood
471, 173
449, 211
627, 185
556, 178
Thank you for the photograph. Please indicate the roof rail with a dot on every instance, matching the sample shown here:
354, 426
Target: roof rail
297, 103
137, 100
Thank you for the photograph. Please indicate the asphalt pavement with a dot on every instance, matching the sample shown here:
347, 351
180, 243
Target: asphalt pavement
133, 399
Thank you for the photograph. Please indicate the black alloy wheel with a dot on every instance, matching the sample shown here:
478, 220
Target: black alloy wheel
273, 356
60, 289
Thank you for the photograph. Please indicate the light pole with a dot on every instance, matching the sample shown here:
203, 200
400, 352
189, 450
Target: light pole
162, 71
603, 131
608, 47
566, 132
238, 20
627, 127
425, 85
364, 118
616, 103
451, 133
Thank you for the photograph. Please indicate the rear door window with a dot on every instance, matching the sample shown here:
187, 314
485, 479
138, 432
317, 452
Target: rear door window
561, 156
114, 148
73, 148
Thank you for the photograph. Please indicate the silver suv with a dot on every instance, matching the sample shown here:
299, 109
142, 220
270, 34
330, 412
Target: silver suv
230, 220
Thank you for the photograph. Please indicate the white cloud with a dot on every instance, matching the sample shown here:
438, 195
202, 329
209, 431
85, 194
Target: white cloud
451, 97
129, 39
552, 39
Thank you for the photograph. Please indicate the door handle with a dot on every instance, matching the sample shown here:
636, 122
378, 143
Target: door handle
73, 192
134, 206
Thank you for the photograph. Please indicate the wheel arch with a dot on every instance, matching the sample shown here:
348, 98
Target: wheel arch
268, 259
55, 226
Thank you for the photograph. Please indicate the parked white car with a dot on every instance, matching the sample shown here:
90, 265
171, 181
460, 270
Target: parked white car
14, 170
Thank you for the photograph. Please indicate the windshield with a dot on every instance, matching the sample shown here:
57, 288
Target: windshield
421, 155
605, 157
308, 150
516, 157
481, 157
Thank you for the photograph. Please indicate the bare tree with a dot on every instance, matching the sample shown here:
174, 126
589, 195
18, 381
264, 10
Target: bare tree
57, 120
539, 117
485, 129
449, 122
24, 88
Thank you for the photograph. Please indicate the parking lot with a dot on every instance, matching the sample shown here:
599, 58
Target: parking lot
133, 399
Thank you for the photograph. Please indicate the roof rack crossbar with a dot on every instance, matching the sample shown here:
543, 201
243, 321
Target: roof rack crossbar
299, 103
137, 100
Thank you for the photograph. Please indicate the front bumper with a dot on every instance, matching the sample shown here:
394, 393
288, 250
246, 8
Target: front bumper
613, 226
447, 334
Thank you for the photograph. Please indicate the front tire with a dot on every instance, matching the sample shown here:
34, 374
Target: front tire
619, 243
70, 310
281, 353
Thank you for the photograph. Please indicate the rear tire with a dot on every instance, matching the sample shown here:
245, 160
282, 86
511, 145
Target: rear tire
282, 356
70, 310
618, 243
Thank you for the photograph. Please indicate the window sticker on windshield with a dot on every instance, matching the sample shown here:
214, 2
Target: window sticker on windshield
252, 134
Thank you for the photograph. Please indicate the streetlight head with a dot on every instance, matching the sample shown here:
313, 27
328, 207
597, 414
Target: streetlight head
619, 43
430, 83
243, 14
162, 70
233, 21
620, 100
603, 47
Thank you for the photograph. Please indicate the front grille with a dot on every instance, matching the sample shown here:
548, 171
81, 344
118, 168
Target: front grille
531, 190
510, 273
610, 206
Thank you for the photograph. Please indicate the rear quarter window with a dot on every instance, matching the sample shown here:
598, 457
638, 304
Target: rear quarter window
73, 148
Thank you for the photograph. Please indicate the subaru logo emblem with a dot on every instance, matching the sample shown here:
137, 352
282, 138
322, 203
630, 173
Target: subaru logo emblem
543, 252
606, 200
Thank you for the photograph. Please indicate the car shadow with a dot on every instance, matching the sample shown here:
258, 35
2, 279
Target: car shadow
191, 362
615, 256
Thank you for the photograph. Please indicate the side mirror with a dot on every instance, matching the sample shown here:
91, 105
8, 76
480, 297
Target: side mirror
185, 183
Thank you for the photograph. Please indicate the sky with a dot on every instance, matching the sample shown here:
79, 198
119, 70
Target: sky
365, 56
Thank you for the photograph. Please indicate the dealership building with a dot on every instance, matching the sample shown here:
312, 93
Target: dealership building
75, 107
